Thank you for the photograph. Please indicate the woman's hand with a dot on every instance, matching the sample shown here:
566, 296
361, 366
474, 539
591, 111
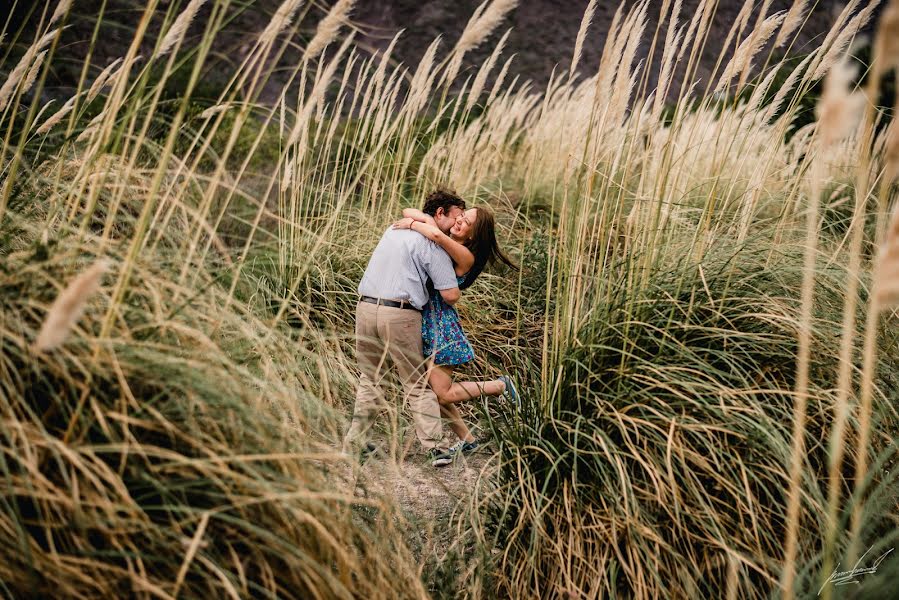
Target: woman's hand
404, 223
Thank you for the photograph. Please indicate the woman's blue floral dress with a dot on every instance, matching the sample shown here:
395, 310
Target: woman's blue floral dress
441, 332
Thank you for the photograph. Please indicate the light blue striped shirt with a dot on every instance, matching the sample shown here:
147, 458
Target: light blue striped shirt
401, 265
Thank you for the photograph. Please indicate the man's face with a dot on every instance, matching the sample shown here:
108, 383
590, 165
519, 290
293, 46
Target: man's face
446, 220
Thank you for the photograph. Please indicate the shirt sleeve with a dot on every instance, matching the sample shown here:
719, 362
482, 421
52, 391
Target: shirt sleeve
440, 268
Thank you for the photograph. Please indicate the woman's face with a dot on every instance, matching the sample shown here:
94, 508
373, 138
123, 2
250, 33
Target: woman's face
462, 229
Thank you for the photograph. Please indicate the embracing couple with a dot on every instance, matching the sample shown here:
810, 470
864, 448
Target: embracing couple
405, 315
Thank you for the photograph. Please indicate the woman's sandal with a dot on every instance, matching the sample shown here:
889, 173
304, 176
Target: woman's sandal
510, 393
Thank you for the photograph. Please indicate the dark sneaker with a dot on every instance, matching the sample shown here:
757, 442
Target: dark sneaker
469, 447
510, 393
440, 457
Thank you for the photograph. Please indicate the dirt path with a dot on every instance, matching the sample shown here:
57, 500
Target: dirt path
427, 495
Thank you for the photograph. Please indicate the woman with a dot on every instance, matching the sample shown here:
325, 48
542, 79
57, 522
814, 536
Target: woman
471, 244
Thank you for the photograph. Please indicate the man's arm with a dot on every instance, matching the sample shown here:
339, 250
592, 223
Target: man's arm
440, 270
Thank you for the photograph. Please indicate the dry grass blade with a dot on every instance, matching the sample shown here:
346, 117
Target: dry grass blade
69, 306
192, 548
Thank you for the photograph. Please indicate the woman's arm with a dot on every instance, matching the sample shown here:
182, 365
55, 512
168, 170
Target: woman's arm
417, 215
461, 255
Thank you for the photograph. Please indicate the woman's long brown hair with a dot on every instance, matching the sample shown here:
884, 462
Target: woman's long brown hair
484, 246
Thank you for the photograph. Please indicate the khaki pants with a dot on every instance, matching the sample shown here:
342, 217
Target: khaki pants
385, 332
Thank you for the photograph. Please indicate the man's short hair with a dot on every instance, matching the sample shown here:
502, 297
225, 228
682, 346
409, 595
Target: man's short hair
441, 198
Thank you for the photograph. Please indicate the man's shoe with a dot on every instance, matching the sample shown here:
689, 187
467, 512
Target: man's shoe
441, 457
367, 451
510, 393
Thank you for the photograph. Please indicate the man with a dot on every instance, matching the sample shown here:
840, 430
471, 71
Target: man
392, 292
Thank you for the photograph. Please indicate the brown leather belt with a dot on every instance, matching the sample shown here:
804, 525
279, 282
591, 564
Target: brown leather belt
390, 303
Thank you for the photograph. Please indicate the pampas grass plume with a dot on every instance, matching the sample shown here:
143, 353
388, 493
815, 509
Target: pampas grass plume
329, 27
32, 73
179, 28
61, 9
793, 19
479, 27
281, 19
69, 306
106, 76
887, 45
581, 36
57, 116
891, 153
886, 272
838, 111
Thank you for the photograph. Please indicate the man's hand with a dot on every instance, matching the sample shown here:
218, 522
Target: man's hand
451, 296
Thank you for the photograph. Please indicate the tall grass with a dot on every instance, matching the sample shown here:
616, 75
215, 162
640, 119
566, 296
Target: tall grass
672, 327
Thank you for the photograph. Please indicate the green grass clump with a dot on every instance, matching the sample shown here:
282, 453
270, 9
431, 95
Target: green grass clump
155, 463
657, 460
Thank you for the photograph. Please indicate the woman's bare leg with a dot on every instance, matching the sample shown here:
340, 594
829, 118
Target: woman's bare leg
440, 378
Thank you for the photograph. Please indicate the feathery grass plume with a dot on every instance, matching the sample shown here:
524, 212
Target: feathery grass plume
887, 43
741, 61
792, 20
891, 152
61, 9
69, 306
838, 110
841, 36
581, 36
33, 71
498, 84
328, 28
13, 79
279, 21
105, 77
56, 117
316, 96
422, 79
477, 86
481, 24
92, 127
22, 68
179, 28
886, 272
